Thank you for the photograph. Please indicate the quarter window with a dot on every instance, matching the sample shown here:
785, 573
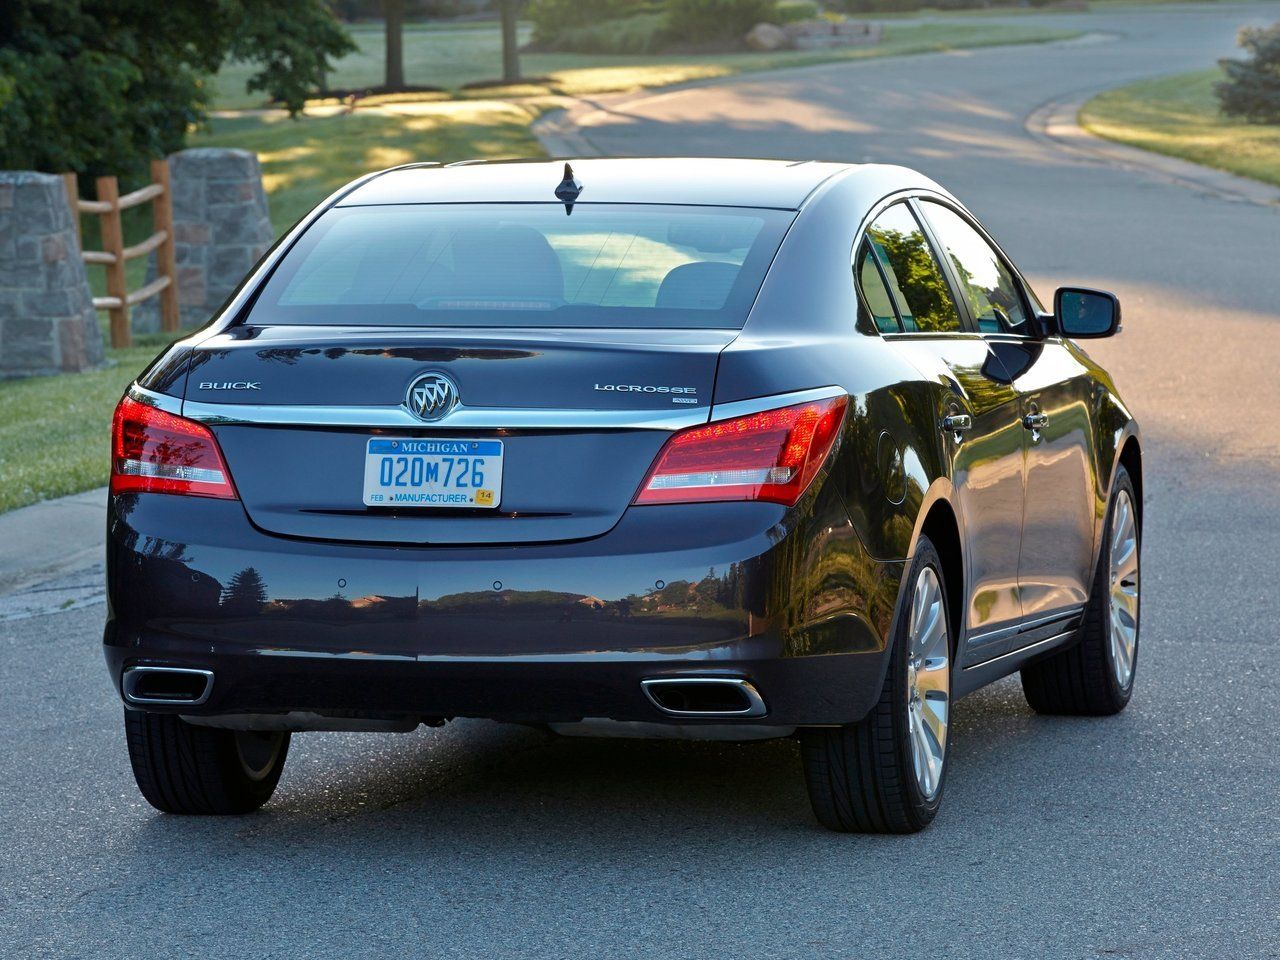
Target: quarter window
876, 301
914, 276
985, 281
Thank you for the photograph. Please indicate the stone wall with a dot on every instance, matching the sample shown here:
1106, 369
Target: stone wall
220, 228
47, 320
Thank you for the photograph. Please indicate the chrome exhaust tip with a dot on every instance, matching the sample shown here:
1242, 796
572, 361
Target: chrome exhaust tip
705, 697
165, 686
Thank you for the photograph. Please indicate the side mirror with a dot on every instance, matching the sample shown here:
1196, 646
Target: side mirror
1082, 313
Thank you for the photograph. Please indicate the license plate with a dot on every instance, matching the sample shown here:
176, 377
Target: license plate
405, 472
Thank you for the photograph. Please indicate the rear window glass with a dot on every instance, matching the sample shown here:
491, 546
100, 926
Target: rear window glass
522, 265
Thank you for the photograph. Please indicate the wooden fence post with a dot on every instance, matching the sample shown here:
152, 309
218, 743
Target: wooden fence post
113, 245
166, 260
73, 201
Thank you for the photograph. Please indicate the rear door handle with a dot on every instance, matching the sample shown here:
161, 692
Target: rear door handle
1035, 421
957, 424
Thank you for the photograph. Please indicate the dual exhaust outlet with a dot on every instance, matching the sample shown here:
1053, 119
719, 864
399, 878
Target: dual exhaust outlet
705, 697
710, 697
166, 686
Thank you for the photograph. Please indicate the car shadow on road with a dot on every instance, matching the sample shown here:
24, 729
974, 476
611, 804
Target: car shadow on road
502, 794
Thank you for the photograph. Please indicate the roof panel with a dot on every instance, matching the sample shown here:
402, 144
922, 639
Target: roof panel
738, 183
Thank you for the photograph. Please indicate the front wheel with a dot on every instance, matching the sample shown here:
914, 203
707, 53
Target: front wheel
885, 773
1094, 677
184, 768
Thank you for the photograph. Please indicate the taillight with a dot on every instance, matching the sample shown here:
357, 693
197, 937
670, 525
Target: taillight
155, 452
771, 456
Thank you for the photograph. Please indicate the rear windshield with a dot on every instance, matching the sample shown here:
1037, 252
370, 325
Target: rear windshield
525, 265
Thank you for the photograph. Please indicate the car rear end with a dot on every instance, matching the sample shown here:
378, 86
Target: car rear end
466, 459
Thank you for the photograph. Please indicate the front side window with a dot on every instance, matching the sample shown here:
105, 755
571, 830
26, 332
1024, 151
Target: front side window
915, 277
985, 281
525, 265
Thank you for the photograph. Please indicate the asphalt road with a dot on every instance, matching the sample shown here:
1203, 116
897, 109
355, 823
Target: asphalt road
1151, 834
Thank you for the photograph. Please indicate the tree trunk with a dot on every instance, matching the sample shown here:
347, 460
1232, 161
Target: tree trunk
393, 13
510, 41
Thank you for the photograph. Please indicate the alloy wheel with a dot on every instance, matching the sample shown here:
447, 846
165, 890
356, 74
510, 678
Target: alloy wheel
928, 682
257, 752
1123, 612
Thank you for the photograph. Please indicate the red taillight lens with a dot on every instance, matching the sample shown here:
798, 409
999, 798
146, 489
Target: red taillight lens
771, 456
156, 452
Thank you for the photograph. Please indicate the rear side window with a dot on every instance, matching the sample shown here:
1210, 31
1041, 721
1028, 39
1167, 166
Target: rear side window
915, 278
985, 281
526, 265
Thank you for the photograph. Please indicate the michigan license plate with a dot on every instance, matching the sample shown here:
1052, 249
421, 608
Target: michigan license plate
404, 472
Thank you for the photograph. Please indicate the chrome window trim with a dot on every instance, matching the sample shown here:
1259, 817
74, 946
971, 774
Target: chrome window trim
490, 418
161, 401
743, 408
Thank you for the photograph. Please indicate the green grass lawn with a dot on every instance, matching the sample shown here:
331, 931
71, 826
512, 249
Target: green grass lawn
450, 58
55, 431
1179, 116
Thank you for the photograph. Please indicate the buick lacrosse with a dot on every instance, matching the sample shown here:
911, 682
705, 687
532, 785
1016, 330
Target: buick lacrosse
723, 449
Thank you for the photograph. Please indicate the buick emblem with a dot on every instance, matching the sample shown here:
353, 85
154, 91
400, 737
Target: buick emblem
432, 396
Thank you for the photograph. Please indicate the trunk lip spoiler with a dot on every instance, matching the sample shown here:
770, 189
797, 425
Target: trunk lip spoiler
472, 418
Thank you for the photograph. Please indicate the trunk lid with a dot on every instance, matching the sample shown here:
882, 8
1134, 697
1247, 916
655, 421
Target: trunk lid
294, 407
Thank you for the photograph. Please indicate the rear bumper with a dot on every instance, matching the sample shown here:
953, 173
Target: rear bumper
787, 599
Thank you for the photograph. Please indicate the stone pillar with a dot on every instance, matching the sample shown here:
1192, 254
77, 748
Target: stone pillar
47, 320
220, 228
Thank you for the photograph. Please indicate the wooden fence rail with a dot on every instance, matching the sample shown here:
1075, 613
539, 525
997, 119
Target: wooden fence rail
115, 254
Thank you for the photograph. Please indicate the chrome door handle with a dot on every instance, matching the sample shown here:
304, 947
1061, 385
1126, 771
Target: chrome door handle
1035, 421
957, 424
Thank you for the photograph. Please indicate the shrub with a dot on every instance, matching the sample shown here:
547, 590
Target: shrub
639, 33
792, 11
551, 18
899, 6
1251, 90
710, 21
100, 86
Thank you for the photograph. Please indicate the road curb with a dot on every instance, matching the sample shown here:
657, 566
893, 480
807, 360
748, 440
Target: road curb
1056, 123
560, 135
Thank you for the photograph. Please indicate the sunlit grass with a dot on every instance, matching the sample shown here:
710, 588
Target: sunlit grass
305, 160
1178, 116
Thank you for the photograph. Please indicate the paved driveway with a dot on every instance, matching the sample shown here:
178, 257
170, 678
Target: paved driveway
1151, 834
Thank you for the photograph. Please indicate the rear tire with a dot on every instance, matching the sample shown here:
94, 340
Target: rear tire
885, 774
183, 768
1094, 677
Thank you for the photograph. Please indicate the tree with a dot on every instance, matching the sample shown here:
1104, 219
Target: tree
101, 86
510, 10
246, 593
1251, 90
393, 17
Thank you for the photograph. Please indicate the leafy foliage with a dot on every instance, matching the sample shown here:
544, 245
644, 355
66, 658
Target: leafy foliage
1251, 90
100, 86
551, 18
706, 21
638, 33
